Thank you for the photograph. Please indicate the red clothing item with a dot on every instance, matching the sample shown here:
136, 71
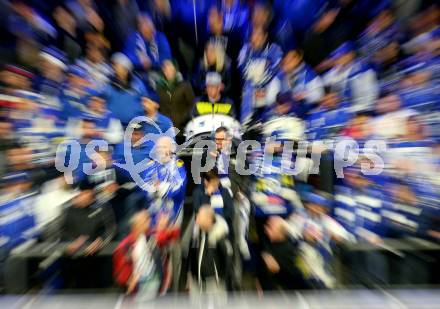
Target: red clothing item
122, 261
164, 238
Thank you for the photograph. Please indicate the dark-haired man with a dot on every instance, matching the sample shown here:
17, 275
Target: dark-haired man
211, 192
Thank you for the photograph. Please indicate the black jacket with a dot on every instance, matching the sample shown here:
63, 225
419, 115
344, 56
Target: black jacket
210, 255
200, 197
93, 221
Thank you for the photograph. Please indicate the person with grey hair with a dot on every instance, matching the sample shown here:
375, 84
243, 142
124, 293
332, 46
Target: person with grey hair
124, 91
166, 180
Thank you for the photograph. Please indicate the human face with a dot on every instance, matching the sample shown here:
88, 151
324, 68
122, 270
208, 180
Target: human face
413, 127
258, 38
19, 157
150, 107
356, 180
388, 104
215, 22
282, 109
274, 229
169, 70
141, 223
362, 125
94, 54
120, 71
136, 136
146, 27
213, 91
330, 100
211, 56
63, 18
315, 209
88, 129
260, 16
205, 218
221, 140
15, 81
212, 184
97, 105
77, 82
84, 199
291, 61
345, 59
5, 129
164, 149
51, 71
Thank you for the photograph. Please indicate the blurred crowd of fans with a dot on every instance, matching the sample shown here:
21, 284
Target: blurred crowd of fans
82, 70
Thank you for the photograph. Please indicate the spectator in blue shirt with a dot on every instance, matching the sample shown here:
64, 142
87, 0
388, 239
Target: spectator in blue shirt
258, 62
74, 92
108, 126
353, 78
300, 78
327, 121
147, 48
124, 91
159, 124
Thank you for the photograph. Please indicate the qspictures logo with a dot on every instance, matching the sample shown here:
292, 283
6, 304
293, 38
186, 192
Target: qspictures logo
250, 155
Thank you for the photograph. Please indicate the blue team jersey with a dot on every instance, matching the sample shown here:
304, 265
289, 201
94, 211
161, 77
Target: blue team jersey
415, 216
259, 67
359, 210
162, 125
169, 187
158, 50
273, 193
125, 103
327, 124
303, 80
356, 83
73, 104
17, 223
422, 99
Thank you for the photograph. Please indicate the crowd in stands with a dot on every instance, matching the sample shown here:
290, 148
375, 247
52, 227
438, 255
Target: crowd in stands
77, 72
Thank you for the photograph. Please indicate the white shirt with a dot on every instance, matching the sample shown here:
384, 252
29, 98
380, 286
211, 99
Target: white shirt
142, 256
